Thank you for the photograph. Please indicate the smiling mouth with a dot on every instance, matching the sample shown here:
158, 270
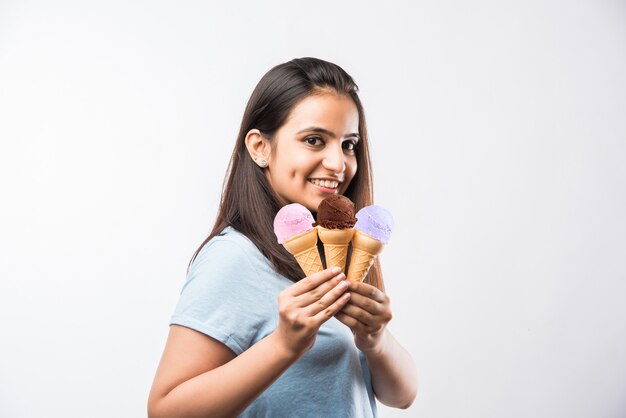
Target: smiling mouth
326, 184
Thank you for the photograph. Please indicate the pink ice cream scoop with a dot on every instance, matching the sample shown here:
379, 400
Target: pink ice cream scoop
292, 220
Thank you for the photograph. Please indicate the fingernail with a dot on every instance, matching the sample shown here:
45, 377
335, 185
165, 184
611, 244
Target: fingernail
336, 270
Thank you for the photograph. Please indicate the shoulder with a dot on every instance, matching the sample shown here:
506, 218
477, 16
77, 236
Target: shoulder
230, 252
228, 267
228, 246
230, 292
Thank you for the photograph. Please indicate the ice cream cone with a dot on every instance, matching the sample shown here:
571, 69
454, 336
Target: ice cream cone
304, 248
336, 243
365, 249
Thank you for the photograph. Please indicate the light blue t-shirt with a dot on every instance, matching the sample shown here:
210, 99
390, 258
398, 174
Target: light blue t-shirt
231, 295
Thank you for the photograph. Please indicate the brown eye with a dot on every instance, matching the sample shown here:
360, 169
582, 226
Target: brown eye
349, 146
314, 140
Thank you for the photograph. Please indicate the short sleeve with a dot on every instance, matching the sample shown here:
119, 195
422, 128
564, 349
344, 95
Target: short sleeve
223, 298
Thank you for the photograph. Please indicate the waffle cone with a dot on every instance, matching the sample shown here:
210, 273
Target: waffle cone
304, 248
365, 249
336, 243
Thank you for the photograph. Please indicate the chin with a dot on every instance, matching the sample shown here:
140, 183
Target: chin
313, 208
311, 203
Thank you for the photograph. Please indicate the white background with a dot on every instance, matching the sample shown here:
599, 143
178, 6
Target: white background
498, 132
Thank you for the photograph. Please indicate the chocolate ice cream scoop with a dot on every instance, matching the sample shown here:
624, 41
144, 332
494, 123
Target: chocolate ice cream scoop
336, 212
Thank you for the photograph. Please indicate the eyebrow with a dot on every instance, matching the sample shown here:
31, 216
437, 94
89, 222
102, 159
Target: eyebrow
328, 133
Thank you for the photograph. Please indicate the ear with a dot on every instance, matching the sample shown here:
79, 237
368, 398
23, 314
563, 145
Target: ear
258, 147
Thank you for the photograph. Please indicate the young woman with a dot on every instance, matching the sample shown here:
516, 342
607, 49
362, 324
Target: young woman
251, 336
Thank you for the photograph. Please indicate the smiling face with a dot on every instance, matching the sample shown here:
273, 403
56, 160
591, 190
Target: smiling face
314, 152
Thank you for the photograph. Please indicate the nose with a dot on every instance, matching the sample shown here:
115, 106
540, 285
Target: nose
334, 159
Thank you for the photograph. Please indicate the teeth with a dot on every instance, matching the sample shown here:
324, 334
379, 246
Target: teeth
331, 184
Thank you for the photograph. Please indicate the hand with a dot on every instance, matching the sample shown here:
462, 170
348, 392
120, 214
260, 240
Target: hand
303, 307
367, 315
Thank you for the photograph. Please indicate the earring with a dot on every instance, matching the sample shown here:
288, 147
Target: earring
262, 163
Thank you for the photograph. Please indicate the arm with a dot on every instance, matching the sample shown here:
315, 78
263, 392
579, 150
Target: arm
199, 376
188, 385
394, 376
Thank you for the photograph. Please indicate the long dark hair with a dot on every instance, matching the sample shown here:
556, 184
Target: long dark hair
248, 202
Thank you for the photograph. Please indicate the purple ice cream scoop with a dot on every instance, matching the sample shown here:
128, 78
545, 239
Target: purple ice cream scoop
376, 222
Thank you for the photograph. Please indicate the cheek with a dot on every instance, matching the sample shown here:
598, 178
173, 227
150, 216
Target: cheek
289, 173
284, 168
351, 167
301, 169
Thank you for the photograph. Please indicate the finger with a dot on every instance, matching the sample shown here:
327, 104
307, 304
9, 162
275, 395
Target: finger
365, 303
368, 290
358, 313
327, 300
327, 313
312, 281
318, 293
352, 323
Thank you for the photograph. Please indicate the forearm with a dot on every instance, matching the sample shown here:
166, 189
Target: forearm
394, 376
227, 390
